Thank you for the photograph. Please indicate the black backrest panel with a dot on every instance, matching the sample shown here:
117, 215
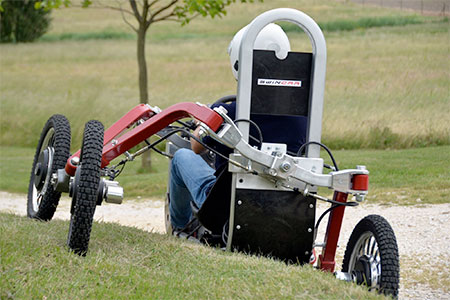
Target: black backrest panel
281, 87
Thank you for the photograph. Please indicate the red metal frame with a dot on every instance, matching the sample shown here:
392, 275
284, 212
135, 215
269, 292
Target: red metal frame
115, 145
326, 259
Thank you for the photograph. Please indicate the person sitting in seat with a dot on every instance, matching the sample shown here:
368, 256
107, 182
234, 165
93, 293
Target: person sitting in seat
191, 178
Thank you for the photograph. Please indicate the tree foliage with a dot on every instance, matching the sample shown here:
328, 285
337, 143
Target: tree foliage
21, 22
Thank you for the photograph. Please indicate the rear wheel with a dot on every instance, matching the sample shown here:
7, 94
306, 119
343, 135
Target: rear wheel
51, 154
371, 256
85, 187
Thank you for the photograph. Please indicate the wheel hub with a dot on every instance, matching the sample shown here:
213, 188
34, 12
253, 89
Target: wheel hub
366, 271
42, 168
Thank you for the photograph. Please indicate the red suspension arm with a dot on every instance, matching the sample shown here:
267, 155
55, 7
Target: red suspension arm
155, 123
327, 258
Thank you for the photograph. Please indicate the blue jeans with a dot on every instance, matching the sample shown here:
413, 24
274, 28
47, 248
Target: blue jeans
191, 178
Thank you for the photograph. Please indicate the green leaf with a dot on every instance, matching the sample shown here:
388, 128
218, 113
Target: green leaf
86, 3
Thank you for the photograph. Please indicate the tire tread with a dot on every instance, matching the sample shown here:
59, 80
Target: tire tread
61, 146
84, 209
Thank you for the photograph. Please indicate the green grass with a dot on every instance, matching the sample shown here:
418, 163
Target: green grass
337, 25
76, 36
362, 23
127, 263
403, 176
396, 176
387, 87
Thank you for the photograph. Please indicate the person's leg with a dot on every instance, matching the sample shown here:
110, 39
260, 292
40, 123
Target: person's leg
190, 180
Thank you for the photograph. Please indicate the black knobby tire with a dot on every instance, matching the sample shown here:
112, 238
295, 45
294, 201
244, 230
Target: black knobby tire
85, 198
377, 229
56, 135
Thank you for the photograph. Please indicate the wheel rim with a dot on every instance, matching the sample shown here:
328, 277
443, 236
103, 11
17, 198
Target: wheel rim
365, 261
43, 166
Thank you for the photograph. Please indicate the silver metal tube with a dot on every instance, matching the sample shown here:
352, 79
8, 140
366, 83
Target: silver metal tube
319, 50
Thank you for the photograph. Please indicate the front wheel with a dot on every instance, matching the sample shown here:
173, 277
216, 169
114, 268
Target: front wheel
51, 154
85, 187
371, 256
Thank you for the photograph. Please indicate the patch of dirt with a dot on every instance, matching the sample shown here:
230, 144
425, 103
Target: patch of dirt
143, 214
421, 231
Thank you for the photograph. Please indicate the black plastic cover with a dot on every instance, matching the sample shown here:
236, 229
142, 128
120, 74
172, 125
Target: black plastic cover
274, 223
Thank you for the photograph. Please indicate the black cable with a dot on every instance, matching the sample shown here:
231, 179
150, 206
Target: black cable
329, 167
321, 145
333, 206
321, 217
119, 172
161, 152
257, 129
351, 203
191, 125
152, 145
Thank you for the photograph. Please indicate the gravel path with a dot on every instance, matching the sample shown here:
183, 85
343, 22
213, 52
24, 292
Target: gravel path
422, 235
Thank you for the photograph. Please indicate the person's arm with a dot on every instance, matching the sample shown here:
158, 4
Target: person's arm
196, 146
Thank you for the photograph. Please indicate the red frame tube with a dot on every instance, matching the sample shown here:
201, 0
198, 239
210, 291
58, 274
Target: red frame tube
327, 258
115, 145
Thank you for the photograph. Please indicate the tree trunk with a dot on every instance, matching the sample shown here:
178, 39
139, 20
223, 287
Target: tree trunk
142, 64
143, 83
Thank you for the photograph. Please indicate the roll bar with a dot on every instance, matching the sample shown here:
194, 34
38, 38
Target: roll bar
317, 76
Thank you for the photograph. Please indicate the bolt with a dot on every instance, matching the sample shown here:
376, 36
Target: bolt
359, 167
309, 230
238, 227
313, 169
359, 197
311, 205
306, 252
114, 142
75, 161
272, 172
239, 202
285, 166
54, 179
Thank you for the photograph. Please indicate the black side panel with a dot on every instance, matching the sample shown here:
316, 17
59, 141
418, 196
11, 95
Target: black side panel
274, 223
281, 100
215, 211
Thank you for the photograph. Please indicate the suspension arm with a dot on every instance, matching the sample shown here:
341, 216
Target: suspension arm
154, 121
290, 171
